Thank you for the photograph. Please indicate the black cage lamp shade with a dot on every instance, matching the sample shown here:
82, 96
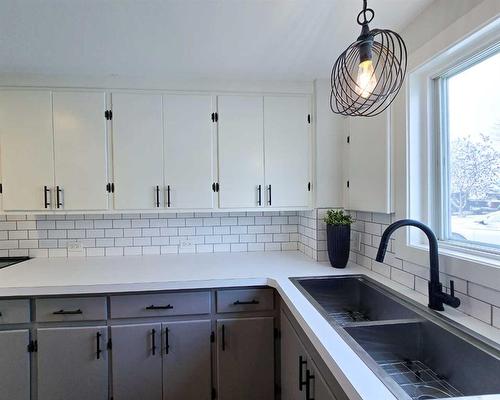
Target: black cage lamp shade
368, 75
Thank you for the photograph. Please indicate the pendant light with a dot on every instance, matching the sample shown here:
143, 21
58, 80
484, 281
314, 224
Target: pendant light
369, 73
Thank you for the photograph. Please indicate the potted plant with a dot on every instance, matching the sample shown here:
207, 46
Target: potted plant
338, 233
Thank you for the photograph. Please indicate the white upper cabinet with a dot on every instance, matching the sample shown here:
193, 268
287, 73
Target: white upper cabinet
369, 166
241, 155
137, 151
189, 151
26, 149
80, 150
287, 149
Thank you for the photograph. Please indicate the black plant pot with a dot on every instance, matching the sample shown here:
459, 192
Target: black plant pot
339, 244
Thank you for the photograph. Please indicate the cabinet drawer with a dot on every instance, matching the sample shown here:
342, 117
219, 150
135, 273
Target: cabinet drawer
14, 311
71, 309
165, 304
238, 300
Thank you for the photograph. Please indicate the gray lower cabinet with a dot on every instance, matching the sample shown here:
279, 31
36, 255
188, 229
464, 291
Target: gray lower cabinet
187, 360
72, 363
293, 363
154, 361
245, 358
316, 387
300, 377
14, 365
136, 362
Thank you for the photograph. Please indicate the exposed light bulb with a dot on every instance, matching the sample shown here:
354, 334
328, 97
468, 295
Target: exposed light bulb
366, 81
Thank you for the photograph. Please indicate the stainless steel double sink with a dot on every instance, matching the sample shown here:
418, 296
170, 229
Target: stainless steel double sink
418, 353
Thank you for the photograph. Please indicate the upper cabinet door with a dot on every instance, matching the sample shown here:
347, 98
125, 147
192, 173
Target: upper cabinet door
369, 166
137, 150
241, 151
80, 150
189, 151
27, 148
287, 149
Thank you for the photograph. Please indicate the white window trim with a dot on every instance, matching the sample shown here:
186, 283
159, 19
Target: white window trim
414, 113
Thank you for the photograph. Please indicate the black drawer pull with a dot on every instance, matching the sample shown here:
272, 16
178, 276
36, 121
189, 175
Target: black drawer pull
223, 338
259, 190
241, 303
302, 363
157, 196
269, 199
58, 197
98, 348
168, 195
153, 307
68, 312
309, 378
46, 192
153, 341
167, 345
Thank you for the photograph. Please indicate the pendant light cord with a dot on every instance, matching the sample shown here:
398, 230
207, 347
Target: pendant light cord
363, 13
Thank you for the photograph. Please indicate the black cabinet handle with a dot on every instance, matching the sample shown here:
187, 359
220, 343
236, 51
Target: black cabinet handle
167, 344
58, 197
68, 312
269, 199
168, 195
46, 192
223, 338
309, 378
98, 348
240, 303
153, 341
157, 196
259, 190
302, 363
153, 307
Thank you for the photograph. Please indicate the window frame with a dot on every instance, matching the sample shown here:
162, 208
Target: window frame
442, 156
415, 150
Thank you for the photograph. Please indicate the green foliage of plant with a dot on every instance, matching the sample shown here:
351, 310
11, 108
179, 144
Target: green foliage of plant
337, 217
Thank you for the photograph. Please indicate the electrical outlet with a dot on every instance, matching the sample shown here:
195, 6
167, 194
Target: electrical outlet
74, 246
356, 241
186, 243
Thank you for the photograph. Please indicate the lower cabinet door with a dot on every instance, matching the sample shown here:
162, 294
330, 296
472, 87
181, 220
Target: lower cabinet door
186, 361
72, 363
293, 363
14, 365
136, 362
245, 358
316, 387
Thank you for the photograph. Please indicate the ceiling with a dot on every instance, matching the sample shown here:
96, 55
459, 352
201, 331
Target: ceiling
186, 39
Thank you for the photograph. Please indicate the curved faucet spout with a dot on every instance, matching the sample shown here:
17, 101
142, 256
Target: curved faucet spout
436, 295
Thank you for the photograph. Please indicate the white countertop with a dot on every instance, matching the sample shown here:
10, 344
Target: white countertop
61, 276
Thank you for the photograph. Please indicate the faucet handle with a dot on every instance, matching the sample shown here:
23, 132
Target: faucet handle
452, 288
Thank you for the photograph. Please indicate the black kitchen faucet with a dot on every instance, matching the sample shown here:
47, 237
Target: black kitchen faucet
436, 295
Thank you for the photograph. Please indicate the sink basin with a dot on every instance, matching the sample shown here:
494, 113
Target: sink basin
353, 299
422, 356
417, 353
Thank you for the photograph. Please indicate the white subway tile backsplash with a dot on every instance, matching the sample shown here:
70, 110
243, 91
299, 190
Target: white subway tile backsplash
479, 292
496, 317
136, 234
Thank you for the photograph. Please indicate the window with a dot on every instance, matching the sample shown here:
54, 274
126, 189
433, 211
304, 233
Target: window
470, 152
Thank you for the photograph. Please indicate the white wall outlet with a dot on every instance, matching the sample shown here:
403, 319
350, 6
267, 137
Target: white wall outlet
74, 247
356, 241
186, 243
